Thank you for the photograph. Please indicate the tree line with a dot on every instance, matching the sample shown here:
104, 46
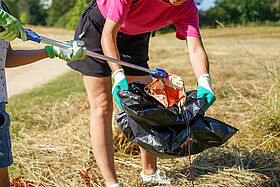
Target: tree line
61, 13
66, 13
27, 11
242, 12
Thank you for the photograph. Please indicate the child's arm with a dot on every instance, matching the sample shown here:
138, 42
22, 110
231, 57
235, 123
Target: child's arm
17, 58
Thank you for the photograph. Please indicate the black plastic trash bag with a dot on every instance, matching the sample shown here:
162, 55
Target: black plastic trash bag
163, 132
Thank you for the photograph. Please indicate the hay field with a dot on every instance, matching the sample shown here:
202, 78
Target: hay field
51, 143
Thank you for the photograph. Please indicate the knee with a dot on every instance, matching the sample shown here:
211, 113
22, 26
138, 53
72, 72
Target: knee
102, 109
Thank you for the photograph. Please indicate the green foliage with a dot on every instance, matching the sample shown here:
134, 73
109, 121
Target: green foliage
63, 20
31, 12
76, 13
276, 8
59, 9
23, 17
242, 11
66, 14
12, 5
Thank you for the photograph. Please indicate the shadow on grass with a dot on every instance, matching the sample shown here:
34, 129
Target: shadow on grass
231, 166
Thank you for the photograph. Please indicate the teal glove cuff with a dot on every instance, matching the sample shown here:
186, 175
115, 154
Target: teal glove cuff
50, 51
121, 85
205, 90
120, 82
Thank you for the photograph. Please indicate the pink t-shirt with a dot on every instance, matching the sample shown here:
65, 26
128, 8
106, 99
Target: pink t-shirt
150, 15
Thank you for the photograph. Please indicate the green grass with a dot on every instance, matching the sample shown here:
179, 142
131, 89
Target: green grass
269, 110
22, 107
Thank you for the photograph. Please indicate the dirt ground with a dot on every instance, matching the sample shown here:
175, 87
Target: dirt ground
26, 77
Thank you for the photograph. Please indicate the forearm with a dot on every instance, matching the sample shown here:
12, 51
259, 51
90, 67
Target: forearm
200, 66
109, 42
17, 58
199, 62
110, 49
198, 56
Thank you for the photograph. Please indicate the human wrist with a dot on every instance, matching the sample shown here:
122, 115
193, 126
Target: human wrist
118, 75
204, 76
50, 51
205, 81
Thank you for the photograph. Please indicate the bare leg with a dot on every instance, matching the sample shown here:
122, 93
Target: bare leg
4, 177
149, 162
100, 98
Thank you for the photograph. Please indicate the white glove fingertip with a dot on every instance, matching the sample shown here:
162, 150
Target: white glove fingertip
75, 45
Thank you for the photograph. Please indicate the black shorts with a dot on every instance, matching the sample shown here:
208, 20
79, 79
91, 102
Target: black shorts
132, 48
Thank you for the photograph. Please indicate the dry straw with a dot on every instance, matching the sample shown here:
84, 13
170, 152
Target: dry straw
56, 151
62, 156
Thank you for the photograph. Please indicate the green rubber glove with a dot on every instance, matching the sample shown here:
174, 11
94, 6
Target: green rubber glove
120, 82
76, 52
12, 26
205, 90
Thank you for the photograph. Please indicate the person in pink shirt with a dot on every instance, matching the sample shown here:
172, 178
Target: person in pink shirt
121, 29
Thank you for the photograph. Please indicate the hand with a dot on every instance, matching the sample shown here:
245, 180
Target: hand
204, 90
120, 82
75, 52
176, 82
12, 27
